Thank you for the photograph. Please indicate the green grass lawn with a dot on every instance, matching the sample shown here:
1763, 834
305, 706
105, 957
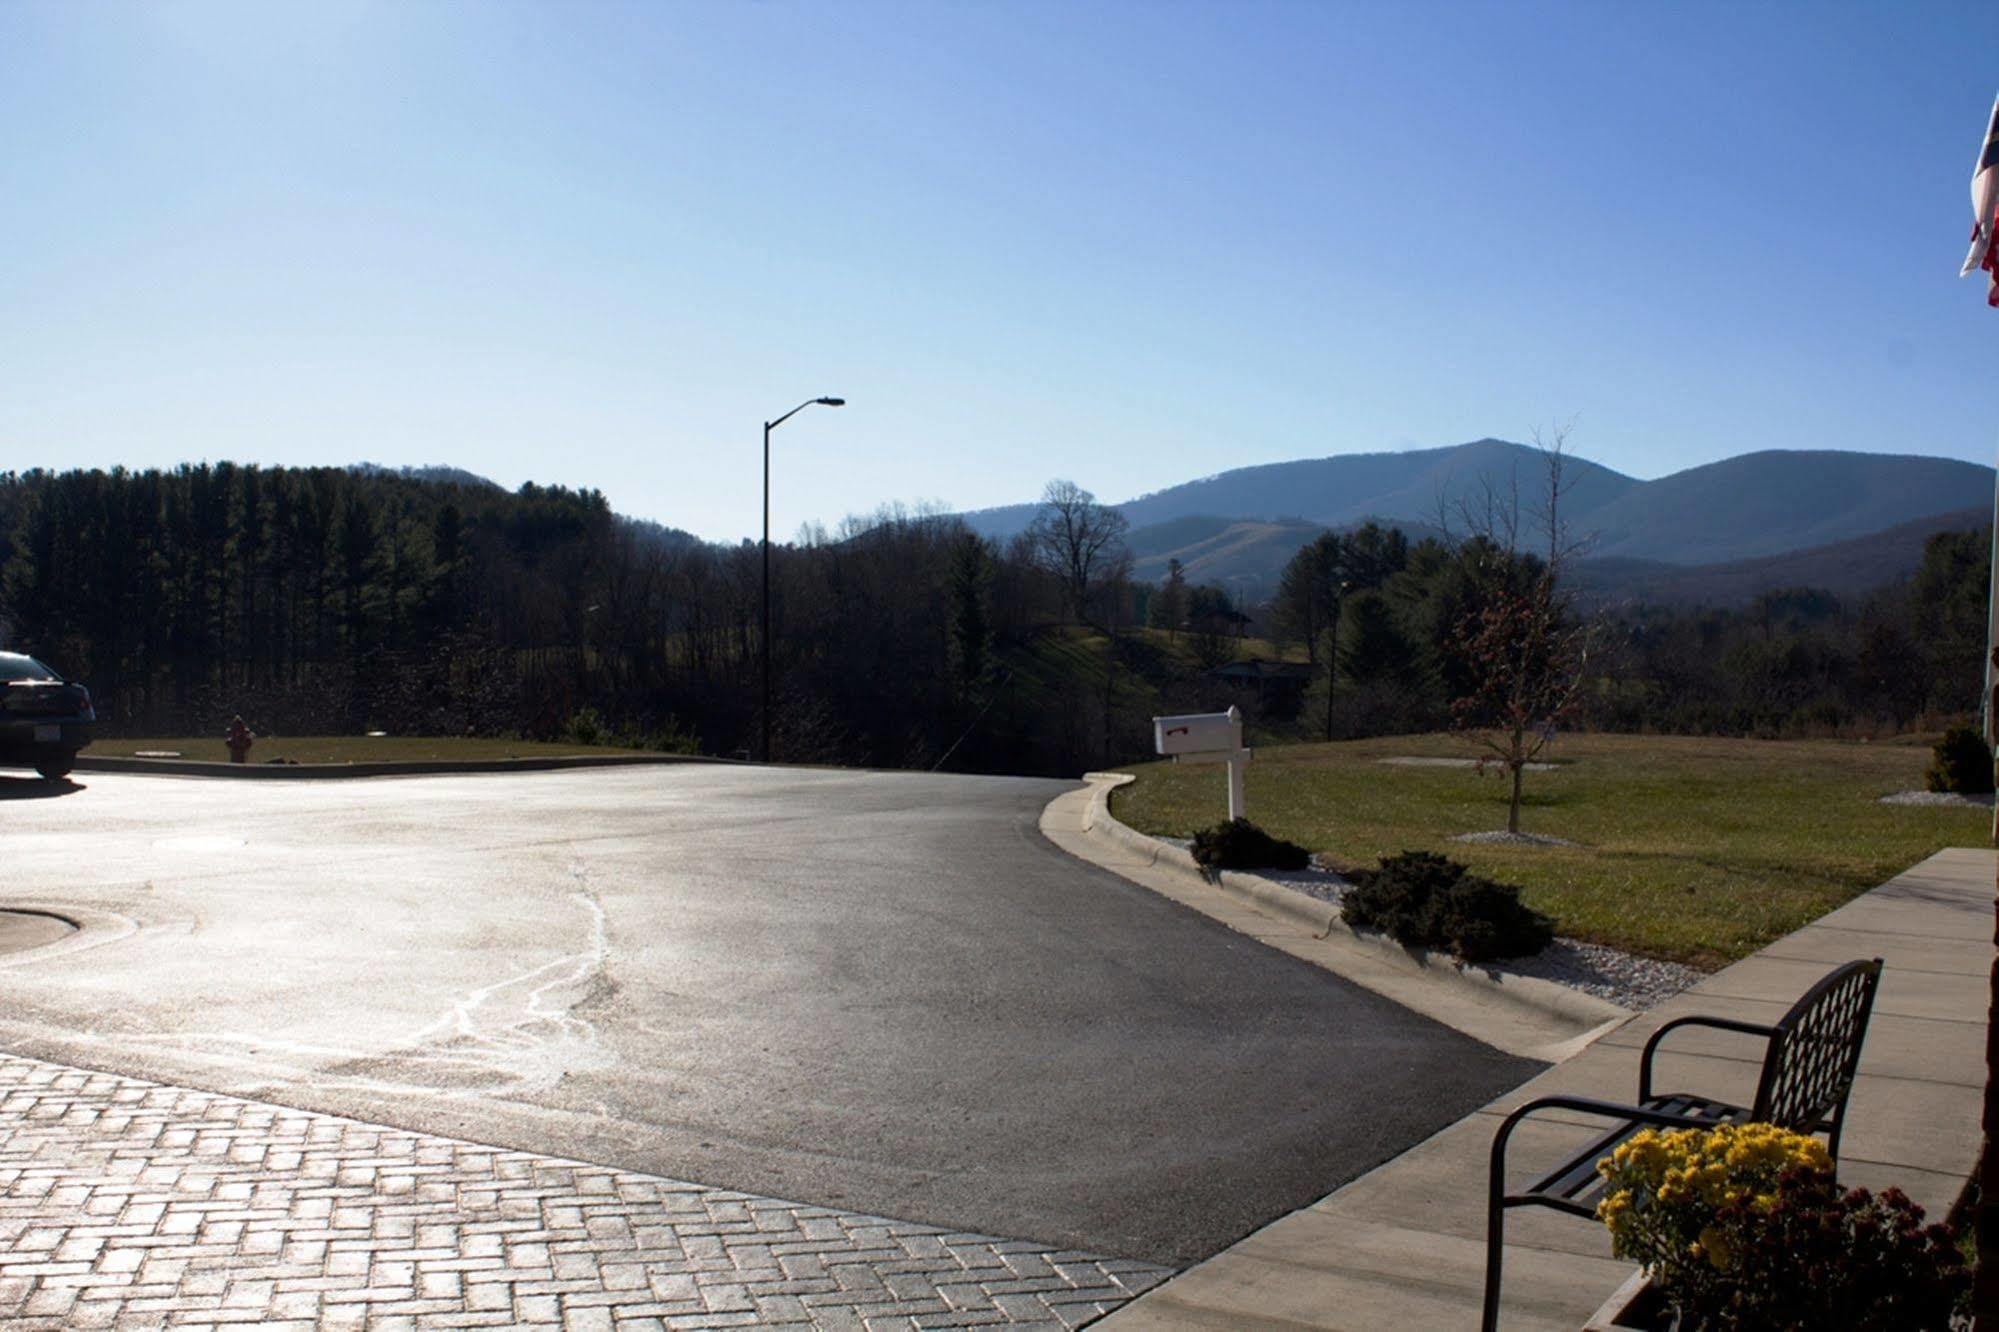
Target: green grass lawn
350, 748
1692, 849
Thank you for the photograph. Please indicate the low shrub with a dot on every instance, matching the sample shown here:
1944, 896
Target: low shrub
670, 737
1240, 844
1960, 762
1423, 900
586, 727
1742, 1228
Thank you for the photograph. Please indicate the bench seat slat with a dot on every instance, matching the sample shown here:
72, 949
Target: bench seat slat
1577, 1175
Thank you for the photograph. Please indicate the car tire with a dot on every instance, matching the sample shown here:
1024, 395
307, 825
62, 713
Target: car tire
55, 767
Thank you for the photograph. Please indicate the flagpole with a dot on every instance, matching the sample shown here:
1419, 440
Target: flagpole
1984, 256
1989, 705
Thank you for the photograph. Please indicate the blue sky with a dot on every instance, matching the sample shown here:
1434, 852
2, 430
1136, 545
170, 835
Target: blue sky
1129, 244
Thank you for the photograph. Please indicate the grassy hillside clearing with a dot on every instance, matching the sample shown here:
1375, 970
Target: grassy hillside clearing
1060, 658
1696, 850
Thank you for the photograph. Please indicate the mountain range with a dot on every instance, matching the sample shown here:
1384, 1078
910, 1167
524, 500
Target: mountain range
1718, 533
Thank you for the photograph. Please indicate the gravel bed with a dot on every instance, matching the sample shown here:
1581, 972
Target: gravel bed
1625, 979
1952, 798
1318, 881
1632, 982
1503, 838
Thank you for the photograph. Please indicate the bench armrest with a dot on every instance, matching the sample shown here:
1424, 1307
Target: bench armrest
1720, 1024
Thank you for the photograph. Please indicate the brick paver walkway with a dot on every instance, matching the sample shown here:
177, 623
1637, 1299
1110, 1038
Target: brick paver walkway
131, 1204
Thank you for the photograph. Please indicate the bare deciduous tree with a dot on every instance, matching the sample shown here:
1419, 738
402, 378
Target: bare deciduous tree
1078, 540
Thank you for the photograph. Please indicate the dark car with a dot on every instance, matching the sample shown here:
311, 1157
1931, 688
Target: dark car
44, 719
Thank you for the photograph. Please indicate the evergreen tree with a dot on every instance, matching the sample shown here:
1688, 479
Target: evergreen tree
1373, 649
1373, 554
1309, 596
1168, 607
971, 632
1947, 603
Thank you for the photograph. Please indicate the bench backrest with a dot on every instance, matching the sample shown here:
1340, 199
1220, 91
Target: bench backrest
1809, 1068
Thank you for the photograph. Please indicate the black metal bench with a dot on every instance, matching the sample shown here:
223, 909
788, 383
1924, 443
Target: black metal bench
1808, 1066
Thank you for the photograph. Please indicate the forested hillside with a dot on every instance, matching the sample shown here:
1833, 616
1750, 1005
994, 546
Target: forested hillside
338, 600
321, 598
1796, 661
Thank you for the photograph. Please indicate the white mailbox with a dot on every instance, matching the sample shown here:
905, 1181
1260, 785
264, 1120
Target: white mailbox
1206, 737
1198, 733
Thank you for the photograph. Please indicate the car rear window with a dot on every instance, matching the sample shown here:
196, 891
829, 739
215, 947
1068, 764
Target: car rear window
14, 666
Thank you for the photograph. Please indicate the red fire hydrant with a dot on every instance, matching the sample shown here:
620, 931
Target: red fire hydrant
239, 740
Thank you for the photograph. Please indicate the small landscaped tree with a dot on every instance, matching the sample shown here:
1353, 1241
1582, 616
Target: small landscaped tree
1529, 657
1523, 647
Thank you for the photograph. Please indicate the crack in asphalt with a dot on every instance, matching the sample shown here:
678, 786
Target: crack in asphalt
530, 1047
543, 1039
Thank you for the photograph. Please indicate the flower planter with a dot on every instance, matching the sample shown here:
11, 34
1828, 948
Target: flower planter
1634, 1305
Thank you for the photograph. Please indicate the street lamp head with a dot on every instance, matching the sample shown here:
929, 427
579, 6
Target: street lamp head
831, 402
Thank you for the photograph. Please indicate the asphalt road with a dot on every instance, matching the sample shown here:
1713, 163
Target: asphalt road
878, 991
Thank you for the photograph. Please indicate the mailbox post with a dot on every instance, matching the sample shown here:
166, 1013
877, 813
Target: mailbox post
1207, 737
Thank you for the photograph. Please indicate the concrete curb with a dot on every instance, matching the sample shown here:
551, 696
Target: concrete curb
387, 768
1323, 919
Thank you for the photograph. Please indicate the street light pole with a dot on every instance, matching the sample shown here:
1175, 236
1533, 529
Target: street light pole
768, 427
763, 639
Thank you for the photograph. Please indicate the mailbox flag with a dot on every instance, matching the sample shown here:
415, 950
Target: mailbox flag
1985, 210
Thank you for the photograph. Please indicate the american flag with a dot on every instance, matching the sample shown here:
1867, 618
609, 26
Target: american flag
1985, 210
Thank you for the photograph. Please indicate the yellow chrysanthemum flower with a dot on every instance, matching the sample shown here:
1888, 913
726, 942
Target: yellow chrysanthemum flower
1664, 1190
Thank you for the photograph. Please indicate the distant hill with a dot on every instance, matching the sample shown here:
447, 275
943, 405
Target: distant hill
1771, 502
437, 473
1219, 550
649, 535
1848, 569
1347, 490
1242, 554
644, 532
1003, 521
1338, 491
1241, 526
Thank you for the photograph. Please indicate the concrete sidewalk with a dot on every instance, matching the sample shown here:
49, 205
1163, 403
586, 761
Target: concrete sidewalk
1403, 1246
